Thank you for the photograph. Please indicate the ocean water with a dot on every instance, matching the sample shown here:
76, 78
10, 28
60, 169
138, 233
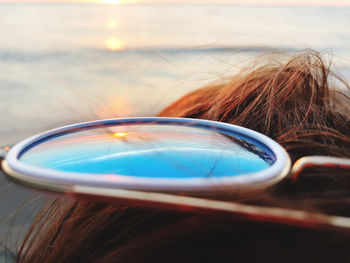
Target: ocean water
62, 63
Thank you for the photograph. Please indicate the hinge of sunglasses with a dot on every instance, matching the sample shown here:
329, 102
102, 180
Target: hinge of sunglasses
3, 152
319, 161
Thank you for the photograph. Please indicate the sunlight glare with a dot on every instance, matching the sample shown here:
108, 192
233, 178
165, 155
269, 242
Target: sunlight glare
116, 106
115, 44
111, 2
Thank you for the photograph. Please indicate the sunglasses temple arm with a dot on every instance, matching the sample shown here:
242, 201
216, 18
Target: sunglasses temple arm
318, 161
238, 210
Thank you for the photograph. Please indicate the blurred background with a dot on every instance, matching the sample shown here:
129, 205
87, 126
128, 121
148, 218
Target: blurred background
70, 61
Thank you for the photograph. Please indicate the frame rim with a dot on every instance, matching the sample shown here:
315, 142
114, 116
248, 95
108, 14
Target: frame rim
45, 178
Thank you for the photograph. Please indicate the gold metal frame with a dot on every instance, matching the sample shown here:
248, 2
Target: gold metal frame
193, 204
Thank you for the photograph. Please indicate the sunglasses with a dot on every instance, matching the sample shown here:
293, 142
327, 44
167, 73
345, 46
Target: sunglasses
171, 163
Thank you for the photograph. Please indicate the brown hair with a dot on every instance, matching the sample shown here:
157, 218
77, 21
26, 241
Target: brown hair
293, 103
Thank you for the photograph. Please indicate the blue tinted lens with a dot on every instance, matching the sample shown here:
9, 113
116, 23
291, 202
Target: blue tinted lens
157, 151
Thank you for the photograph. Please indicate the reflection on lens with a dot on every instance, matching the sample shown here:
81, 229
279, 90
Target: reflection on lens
157, 151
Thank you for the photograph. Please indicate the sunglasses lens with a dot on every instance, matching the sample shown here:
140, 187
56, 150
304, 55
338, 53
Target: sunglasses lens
156, 151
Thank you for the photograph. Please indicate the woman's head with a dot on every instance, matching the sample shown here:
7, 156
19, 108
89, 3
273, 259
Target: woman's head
294, 103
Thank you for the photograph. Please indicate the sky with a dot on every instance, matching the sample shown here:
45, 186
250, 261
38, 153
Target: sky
239, 2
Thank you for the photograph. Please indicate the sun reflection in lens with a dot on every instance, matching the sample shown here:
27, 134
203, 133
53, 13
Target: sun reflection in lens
115, 44
120, 134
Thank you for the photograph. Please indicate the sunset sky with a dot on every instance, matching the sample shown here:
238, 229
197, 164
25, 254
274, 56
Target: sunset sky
239, 2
